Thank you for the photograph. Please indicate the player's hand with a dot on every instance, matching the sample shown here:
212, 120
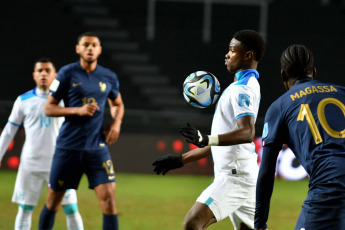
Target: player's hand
194, 136
112, 133
165, 163
88, 109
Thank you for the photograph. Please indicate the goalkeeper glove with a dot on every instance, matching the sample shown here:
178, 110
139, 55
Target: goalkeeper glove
194, 136
165, 163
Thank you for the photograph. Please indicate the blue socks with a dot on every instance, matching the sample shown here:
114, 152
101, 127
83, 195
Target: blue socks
47, 219
110, 222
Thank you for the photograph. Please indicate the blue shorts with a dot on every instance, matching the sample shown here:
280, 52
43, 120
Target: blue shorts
322, 212
69, 165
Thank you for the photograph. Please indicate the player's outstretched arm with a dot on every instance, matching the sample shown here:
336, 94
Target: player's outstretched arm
117, 110
245, 133
14, 121
172, 161
53, 109
6, 137
264, 187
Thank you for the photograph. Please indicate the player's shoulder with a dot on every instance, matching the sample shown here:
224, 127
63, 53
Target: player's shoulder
276, 106
70, 67
27, 95
106, 71
251, 85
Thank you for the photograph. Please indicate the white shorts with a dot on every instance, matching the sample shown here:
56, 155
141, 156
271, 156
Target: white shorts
29, 186
233, 197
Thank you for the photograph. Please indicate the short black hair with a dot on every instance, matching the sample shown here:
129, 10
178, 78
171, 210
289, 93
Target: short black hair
297, 60
253, 41
44, 60
88, 34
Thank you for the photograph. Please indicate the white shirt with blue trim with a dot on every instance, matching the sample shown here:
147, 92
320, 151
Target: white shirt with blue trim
40, 131
239, 99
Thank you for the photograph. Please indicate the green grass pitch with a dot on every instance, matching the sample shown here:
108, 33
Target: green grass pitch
154, 202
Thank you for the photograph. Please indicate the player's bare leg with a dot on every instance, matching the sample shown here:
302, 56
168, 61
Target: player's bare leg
199, 216
47, 216
54, 199
106, 198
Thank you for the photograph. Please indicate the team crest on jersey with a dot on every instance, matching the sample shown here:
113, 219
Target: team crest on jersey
103, 86
243, 100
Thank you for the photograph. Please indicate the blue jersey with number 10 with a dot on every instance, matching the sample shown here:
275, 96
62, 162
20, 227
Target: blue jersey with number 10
76, 87
310, 119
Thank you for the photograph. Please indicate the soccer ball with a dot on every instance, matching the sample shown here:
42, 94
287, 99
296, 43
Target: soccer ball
201, 89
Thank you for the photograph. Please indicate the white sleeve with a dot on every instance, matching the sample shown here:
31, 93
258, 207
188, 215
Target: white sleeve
242, 100
6, 137
11, 128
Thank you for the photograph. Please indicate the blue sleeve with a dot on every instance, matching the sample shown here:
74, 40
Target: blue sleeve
115, 88
264, 187
61, 80
275, 130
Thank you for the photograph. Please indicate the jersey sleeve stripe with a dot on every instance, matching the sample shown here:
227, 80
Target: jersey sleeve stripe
245, 114
12, 123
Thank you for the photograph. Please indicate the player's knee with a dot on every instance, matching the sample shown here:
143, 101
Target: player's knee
26, 207
191, 223
243, 226
70, 208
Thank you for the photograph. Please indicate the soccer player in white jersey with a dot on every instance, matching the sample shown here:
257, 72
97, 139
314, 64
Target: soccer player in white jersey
232, 193
37, 153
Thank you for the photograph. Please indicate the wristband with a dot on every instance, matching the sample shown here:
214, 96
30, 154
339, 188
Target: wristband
213, 140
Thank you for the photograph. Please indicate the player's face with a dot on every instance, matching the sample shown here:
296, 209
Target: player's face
89, 48
235, 58
44, 74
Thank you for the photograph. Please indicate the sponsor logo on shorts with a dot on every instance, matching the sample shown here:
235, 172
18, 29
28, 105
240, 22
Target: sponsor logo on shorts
61, 182
111, 177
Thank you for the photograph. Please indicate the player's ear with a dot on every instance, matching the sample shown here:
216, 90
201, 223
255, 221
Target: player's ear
283, 75
314, 73
249, 54
77, 49
285, 79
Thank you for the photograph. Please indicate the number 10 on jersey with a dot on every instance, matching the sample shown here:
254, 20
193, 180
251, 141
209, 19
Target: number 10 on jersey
305, 112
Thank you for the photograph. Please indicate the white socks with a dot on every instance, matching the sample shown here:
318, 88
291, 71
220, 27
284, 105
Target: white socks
23, 218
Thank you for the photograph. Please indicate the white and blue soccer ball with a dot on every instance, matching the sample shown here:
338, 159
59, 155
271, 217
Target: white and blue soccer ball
201, 89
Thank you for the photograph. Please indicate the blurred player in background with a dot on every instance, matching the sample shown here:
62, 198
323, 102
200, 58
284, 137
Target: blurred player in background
85, 87
232, 194
309, 118
37, 154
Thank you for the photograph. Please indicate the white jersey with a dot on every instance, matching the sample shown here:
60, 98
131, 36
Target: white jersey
239, 99
40, 131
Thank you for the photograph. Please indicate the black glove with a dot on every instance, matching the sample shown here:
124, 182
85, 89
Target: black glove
194, 136
166, 163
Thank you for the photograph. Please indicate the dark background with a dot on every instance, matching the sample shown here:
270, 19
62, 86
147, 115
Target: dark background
37, 28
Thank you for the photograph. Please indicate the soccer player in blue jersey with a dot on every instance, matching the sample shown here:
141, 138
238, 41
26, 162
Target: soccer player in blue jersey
232, 193
309, 118
37, 153
85, 87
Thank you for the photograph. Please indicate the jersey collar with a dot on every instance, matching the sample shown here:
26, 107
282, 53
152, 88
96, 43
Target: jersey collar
303, 80
247, 73
244, 76
40, 93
